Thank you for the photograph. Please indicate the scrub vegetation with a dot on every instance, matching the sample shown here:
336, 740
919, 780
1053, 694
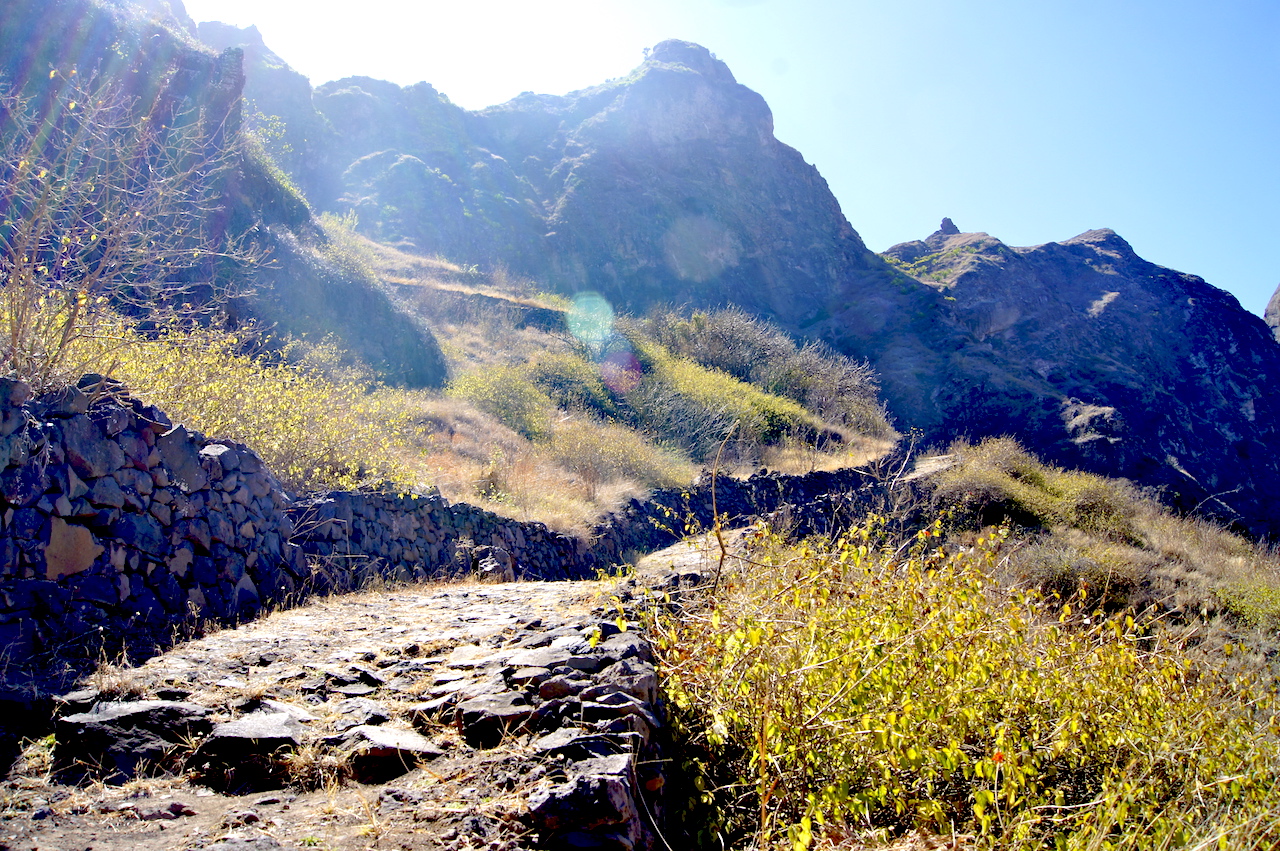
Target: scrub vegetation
1052, 662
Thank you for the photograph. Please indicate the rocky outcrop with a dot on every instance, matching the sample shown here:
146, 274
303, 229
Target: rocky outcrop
1272, 314
1100, 360
667, 184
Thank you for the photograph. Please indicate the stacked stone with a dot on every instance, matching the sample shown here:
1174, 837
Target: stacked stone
819, 502
409, 536
117, 528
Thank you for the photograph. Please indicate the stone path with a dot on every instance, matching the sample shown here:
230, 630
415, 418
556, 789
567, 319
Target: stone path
509, 716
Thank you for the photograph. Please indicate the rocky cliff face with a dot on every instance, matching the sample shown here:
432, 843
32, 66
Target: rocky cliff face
1272, 314
1101, 360
668, 186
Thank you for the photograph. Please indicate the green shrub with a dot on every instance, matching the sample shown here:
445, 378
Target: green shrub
602, 452
998, 480
573, 383
760, 418
860, 690
508, 394
345, 249
832, 386
1256, 604
313, 433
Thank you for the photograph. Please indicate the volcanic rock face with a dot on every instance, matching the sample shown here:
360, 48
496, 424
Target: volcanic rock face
666, 185
1099, 359
1272, 314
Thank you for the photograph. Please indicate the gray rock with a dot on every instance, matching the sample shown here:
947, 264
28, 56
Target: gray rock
106, 493
227, 457
88, 452
636, 678
378, 754
542, 657
484, 721
120, 741
297, 713
598, 808
562, 686
257, 842
577, 745
626, 645
67, 402
356, 711
181, 455
246, 755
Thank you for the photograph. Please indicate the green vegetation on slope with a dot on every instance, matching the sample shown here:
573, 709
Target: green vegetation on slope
832, 386
1091, 673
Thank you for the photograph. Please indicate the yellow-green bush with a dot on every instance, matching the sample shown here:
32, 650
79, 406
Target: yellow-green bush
508, 394
863, 690
603, 452
760, 417
313, 433
345, 249
573, 382
836, 388
998, 480
1257, 604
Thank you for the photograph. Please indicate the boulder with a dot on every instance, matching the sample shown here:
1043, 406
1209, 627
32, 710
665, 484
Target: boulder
378, 754
120, 741
248, 754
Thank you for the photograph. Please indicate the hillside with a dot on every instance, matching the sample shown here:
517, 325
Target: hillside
668, 187
258, 354
145, 61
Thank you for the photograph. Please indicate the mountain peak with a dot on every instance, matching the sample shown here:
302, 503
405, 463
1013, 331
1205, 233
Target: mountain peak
693, 56
1105, 239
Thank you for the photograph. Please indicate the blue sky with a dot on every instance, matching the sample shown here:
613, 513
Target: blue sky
1032, 120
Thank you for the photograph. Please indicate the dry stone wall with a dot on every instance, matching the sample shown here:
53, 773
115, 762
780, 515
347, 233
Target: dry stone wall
119, 530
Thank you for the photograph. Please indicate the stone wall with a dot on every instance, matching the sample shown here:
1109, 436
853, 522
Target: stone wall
412, 537
120, 530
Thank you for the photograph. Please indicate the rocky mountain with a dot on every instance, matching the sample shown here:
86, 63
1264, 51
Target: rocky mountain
668, 186
1103, 361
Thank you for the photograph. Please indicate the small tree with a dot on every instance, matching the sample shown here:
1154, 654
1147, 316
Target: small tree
106, 204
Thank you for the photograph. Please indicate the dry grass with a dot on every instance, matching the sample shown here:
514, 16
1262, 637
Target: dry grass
1125, 550
795, 458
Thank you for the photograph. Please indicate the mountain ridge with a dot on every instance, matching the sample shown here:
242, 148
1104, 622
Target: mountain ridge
667, 186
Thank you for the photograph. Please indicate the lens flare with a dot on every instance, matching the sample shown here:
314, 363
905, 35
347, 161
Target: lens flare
620, 370
591, 320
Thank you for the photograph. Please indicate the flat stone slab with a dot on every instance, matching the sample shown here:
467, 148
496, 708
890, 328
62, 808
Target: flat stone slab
379, 754
122, 740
